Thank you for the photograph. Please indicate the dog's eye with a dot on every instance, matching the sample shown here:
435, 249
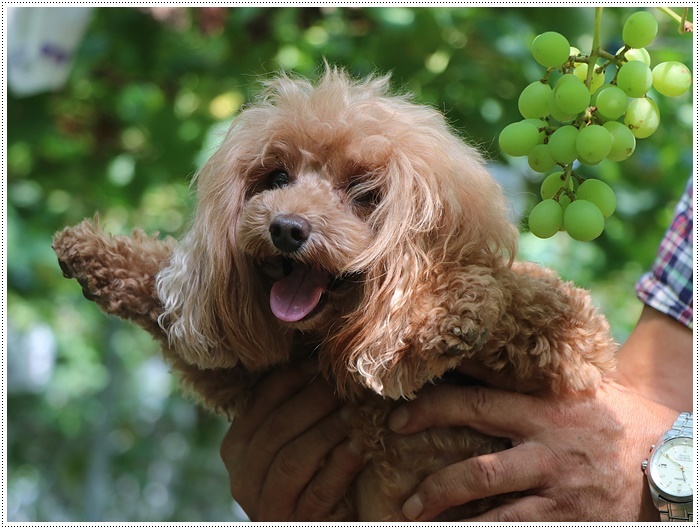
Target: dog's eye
363, 194
277, 178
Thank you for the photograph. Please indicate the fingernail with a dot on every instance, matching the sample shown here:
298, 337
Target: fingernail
413, 507
398, 419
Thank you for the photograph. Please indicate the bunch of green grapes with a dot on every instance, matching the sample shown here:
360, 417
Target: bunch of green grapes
573, 116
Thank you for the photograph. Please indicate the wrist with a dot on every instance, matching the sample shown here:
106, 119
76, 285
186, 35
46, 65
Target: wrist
670, 471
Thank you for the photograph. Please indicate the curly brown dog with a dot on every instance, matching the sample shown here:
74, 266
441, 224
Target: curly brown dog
340, 221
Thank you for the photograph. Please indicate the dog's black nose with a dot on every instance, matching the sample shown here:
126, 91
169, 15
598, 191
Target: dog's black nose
289, 232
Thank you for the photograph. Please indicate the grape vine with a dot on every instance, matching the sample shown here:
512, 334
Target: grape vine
573, 116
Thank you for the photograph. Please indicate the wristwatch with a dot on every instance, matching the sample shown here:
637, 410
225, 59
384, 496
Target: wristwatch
670, 471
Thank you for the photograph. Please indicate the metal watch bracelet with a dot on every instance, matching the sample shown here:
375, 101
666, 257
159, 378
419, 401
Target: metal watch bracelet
683, 427
678, 512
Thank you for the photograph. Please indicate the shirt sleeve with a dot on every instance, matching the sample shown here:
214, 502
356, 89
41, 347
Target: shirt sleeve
668, 286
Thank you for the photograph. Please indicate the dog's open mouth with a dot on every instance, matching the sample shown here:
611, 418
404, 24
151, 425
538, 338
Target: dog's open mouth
297, 289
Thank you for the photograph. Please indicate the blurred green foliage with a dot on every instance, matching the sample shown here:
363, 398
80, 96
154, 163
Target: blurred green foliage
96, 429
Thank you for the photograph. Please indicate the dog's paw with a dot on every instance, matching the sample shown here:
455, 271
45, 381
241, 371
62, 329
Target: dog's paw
470, 339
90, 288
67, 269
69, 272
78, 260
455, 336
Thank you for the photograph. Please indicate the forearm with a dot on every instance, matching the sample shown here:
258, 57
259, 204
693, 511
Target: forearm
656, 361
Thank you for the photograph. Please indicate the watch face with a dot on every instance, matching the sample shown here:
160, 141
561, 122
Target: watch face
672, 468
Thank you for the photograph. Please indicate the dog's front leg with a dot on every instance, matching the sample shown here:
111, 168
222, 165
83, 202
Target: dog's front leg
449, 320
116, 272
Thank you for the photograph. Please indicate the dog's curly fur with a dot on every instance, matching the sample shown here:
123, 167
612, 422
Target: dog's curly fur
401, 227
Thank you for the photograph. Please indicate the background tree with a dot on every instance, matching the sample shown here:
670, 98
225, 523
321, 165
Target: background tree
96, 429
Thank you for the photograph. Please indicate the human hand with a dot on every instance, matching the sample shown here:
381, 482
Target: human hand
575, 457
288, 455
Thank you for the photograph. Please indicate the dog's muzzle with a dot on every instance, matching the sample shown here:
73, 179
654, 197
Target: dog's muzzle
297, 288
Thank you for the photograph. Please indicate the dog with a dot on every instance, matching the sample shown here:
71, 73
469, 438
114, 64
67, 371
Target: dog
341, 221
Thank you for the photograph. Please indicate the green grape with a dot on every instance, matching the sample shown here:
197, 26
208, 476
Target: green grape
580, 71
567, 77
639, 29
597, 79
642, 117
518, 139
594, 95
599, 193
574, 52
571, 96
550, 49
636, 54
624, 141
553, 183
540, 125
611, 102
556, 112
671, 78
634, 78
534, 100
562, 144
583, 220
540, 160
593, 144
545, 219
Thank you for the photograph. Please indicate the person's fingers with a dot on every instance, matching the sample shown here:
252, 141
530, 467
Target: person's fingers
321, 457
249, 459
230, 449
330, 485
515, 469
524, 509
296, 464
233, 455
270, 393
487, 410
274, 389
286, 423
295, 416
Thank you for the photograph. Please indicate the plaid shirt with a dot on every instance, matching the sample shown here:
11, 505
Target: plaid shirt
668, 287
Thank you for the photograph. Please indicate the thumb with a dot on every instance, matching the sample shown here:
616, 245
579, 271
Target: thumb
497, 379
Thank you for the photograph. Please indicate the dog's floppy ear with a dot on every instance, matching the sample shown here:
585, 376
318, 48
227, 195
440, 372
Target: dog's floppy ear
191, 286
211, 309
441, 211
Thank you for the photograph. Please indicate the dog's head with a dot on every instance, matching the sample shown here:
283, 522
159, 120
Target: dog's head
323, 211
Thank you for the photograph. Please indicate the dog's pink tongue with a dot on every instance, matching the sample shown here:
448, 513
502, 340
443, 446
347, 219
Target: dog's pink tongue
293, 297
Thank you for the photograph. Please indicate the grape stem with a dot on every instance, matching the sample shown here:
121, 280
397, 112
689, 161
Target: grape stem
545, 77
595, 46
684, 26
617, 60
568, 171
